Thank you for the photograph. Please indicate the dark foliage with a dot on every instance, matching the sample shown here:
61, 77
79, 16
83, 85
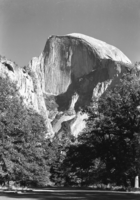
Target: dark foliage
109, 150
114, 131
23, 148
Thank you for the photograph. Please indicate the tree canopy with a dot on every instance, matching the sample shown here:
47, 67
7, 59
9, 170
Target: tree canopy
23, 147
108, 151
114, 130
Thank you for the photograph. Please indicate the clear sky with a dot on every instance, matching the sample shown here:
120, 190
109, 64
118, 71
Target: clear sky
25, 25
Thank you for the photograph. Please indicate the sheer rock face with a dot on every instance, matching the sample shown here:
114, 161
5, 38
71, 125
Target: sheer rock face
27, 80
81, 64
81, 68
71, 71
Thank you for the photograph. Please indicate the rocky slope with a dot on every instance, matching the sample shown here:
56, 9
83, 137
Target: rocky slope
71, 71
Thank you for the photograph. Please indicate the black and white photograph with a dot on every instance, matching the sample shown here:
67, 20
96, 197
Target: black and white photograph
70, 99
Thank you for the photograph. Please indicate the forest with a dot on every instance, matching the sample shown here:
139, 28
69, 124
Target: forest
106, 152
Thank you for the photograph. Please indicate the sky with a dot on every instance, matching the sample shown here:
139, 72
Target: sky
25, 25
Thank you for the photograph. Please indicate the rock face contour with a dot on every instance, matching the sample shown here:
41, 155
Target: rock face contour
71, 71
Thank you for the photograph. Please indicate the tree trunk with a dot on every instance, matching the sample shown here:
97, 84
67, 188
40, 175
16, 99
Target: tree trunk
136, 182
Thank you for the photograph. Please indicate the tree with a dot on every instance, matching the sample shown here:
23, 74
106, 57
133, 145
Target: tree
114, 131
23, 147
58, 170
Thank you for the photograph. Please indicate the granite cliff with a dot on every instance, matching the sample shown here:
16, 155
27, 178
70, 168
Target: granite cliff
71, 70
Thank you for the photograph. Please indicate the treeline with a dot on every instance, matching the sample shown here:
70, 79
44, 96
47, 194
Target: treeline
107, 152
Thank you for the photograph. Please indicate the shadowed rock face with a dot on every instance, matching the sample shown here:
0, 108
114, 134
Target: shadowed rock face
71, 71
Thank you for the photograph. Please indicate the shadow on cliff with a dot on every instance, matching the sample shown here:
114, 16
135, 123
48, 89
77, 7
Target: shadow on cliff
85, 85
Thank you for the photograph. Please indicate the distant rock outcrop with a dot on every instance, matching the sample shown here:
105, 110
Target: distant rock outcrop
71, 71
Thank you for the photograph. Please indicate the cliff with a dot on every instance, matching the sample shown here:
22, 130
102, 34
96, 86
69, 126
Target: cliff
70, 71
78, 68
28, 84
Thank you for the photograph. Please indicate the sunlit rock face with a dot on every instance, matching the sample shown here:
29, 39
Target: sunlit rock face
72, 70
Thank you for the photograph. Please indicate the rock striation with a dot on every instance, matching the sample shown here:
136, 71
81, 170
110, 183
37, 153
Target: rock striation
71, 70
